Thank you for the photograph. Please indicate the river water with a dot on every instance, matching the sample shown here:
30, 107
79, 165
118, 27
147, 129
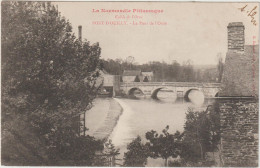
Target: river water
142, 115
123, 119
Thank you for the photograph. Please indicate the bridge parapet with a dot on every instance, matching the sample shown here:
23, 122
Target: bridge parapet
173, 84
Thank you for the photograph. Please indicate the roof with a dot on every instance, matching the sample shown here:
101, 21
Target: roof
147, 73
241, 73
103, 72
131, 72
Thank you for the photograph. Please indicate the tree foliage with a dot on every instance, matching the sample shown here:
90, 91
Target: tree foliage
171, 72
48, 78
220, 67
163, 145
137, 153
201, 133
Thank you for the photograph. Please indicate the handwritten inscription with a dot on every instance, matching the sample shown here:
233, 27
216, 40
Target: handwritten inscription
251, 12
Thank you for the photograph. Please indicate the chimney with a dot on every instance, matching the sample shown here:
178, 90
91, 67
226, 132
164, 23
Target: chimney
80, 33
236, 36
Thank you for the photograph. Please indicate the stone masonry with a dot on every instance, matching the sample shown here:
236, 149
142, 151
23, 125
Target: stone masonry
239, 132
238, 101
236, 38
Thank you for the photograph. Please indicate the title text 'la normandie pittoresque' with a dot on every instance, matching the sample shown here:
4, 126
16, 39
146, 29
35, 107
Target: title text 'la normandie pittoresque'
155, 11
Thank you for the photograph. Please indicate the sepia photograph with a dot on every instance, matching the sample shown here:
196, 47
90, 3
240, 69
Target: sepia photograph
129, 84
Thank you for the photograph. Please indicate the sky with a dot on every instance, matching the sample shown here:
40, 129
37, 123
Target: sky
190, 30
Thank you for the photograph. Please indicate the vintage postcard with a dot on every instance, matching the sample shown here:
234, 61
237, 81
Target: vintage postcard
154, 84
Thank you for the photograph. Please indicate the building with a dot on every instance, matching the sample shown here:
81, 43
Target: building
106, 81
238, 101
132, 76
137, 76
147, 76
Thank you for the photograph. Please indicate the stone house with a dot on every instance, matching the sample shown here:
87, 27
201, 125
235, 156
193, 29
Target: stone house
137, 76
147, 76
132, 76
107, 82
238, 101
108, 79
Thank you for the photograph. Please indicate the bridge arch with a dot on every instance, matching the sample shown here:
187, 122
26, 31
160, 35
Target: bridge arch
186, 95
131, 91
155, 92
216, 95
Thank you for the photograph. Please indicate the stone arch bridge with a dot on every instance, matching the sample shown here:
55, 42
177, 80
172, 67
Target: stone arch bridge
182, 89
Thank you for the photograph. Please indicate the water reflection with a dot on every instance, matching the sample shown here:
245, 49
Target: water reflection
165, 95
196, 97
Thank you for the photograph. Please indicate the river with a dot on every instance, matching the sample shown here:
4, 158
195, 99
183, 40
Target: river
140, 116
145, 114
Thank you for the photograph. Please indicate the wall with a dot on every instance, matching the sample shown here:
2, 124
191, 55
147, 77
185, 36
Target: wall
239, 131
108, 80
128, 78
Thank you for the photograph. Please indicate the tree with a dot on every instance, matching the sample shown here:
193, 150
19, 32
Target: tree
188, 72
137, 153
194, 135
108, 155
130, 60
110, 149
162, 145
48, 78
220, 67
213, 113
162, 71
75, 151
198, 75
201, 134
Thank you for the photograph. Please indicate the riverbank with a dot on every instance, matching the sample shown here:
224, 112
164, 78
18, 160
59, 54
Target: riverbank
102, 118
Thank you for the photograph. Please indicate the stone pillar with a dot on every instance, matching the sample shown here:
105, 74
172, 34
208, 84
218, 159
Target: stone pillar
116, 85
236, 37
